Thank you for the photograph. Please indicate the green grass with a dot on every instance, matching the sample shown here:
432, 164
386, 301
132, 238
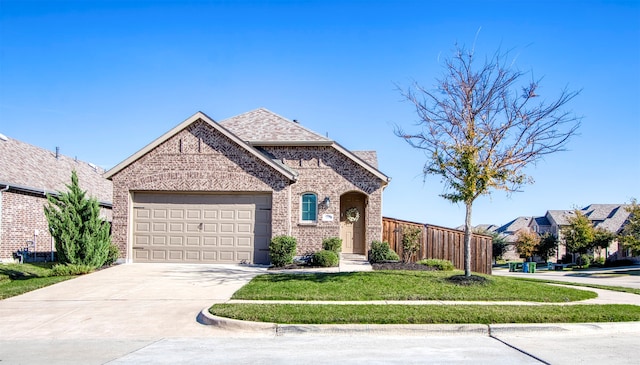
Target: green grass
400, 285
596, 286
426, 314
16, 279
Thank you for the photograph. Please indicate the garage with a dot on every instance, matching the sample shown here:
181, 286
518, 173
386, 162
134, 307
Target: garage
201, 228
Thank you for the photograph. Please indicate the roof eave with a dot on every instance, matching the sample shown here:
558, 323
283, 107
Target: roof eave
197, 116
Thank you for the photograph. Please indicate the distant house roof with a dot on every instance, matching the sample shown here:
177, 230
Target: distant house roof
606, 216
515, 225
34, 169
542, 221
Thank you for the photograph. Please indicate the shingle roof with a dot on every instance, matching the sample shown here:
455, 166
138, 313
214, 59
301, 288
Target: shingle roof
262, 126
515, 225
542, 221
370, 157
29, 167
607, 216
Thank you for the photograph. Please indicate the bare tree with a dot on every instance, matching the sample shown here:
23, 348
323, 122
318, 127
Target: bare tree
481, 126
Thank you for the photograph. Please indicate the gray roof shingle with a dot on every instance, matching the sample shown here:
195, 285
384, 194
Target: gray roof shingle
264, 126
25, 166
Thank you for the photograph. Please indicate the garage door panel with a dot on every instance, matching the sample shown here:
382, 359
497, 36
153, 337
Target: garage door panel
202, 228
176, 240
245, 214
227, 214
193, 241
176, 255
159, 214
159, 241
158, 227
194, 214
210, 241
159, 255
244, 228
176, 214
243, 256
143, 227
227, 228
141, 213
243, 242
193, 227
210, 228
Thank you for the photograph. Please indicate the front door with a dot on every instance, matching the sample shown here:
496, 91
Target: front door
352, 223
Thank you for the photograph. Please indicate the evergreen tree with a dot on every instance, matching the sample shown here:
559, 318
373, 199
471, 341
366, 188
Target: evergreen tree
81, 236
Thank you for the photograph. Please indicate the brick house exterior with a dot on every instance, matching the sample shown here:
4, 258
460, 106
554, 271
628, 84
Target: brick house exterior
270, 164
27, 174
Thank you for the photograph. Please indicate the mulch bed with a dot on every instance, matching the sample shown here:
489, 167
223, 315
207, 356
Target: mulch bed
396, 265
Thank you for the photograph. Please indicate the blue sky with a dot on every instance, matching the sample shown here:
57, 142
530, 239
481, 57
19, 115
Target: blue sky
101, 79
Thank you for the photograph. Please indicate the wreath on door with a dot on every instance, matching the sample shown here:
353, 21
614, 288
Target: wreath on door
352, 214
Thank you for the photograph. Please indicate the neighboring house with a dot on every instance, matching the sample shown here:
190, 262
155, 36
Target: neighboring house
610, 217
509, 232
27, 174
208, 192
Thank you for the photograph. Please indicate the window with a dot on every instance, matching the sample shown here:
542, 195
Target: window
309, 207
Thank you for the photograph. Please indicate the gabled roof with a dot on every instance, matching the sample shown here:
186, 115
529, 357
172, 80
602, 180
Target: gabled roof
607, 216
33, 169
187, 122
515, 225
264, 127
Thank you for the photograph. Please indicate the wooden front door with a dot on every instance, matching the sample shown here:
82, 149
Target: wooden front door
352, 233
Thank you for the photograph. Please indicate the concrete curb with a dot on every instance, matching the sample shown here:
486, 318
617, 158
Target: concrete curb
414, 329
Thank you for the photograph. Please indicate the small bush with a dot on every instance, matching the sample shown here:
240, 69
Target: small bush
584, 261
71, 269
332, 244
410, 242
380, 251
114, 254
443, 265
324, 258
282, 249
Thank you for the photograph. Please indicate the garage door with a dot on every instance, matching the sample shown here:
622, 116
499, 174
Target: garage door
201, 228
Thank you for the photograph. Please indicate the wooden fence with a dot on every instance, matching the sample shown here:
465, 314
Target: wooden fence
441, 243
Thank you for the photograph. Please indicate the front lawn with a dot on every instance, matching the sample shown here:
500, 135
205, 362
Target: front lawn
426, 314
16, 279
400, 285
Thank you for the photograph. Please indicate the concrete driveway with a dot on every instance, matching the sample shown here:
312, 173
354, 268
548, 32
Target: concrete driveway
141, 301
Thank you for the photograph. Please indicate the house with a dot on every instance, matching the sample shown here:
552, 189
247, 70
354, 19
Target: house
610, 217
209, 192
27, 174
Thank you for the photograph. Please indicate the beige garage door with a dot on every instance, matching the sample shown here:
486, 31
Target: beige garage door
201, 228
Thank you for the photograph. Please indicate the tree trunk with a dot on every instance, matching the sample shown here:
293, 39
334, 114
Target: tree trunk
467, 241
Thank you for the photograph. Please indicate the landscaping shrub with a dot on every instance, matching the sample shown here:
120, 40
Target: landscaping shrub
71, 269
443, 265
324, 258
380, 251
584, 261
81, 236
282, 249
332, 244
114, 254
410, 242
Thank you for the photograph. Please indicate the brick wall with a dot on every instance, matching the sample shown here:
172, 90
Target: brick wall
22, 215
201, 159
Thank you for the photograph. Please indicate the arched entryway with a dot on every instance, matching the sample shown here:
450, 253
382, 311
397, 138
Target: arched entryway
352, 222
